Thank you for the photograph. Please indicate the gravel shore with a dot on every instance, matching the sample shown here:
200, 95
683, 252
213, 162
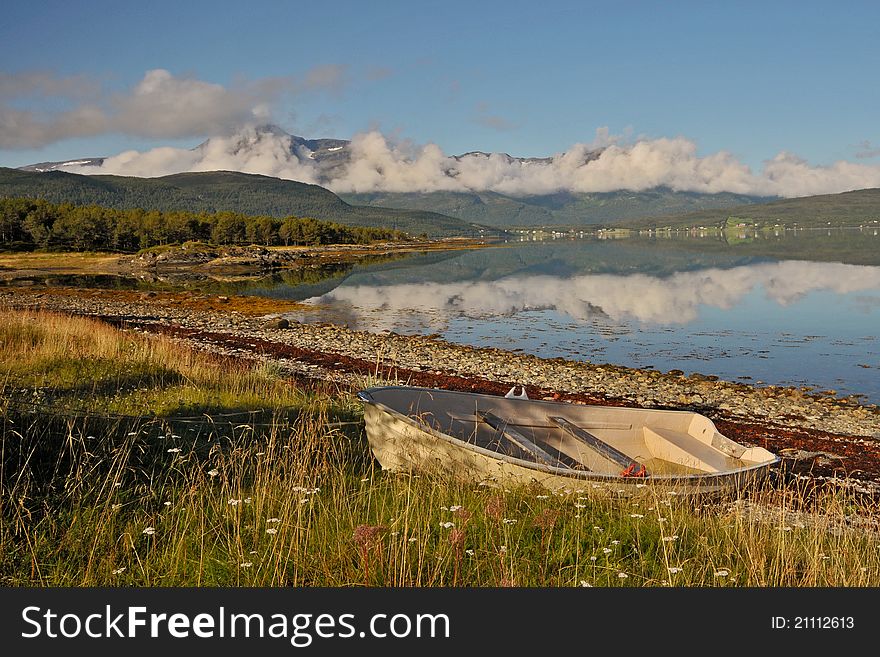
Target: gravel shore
789, 407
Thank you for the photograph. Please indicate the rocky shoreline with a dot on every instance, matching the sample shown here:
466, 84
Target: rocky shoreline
198, 256
195, 261
845, 432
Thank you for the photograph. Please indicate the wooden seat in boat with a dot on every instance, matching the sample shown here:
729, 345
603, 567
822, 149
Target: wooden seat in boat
681, 447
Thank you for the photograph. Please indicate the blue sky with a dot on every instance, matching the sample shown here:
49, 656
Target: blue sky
527, 78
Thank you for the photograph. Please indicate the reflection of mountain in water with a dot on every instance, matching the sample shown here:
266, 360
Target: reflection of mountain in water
304, 283
563, 258
647, 298
651, 256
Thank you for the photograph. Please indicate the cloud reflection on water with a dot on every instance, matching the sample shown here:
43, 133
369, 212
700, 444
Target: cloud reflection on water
670, 300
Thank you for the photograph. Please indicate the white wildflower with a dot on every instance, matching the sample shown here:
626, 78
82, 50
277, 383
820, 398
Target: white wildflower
247, 564
606, 550
234, 502
173, 450
119, 571
213, 472
271, 530
447, 525
721, 572
509, 521
622, 575
585, 583
149, 531
273, 520
636, 515
673, 569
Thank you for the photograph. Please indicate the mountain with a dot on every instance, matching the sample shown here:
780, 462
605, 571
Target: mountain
216, 191
329, 155
560, 209
854, 208
329, 160
43, 167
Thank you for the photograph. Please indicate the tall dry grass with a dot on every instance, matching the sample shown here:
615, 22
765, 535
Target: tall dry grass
74, 362
94, 499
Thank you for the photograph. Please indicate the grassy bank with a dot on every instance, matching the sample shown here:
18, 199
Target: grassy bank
131, 460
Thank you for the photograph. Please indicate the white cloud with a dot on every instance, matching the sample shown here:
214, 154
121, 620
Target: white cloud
378, 163
165, 106
603, 166
248, 151
161, 105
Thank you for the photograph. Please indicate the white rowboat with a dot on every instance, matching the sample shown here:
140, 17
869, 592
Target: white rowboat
561, 446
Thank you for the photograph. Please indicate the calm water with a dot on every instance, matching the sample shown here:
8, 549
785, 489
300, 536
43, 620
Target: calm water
786, 310
789, 309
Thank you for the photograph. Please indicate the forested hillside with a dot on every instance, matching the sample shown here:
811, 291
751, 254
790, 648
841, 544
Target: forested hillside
32, 223
218, 191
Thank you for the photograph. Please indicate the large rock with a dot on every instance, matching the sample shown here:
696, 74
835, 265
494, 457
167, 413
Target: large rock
277, 323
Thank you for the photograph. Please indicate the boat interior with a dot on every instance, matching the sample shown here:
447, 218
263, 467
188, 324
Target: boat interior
601, 439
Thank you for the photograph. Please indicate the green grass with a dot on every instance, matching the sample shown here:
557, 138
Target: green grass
290, 495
